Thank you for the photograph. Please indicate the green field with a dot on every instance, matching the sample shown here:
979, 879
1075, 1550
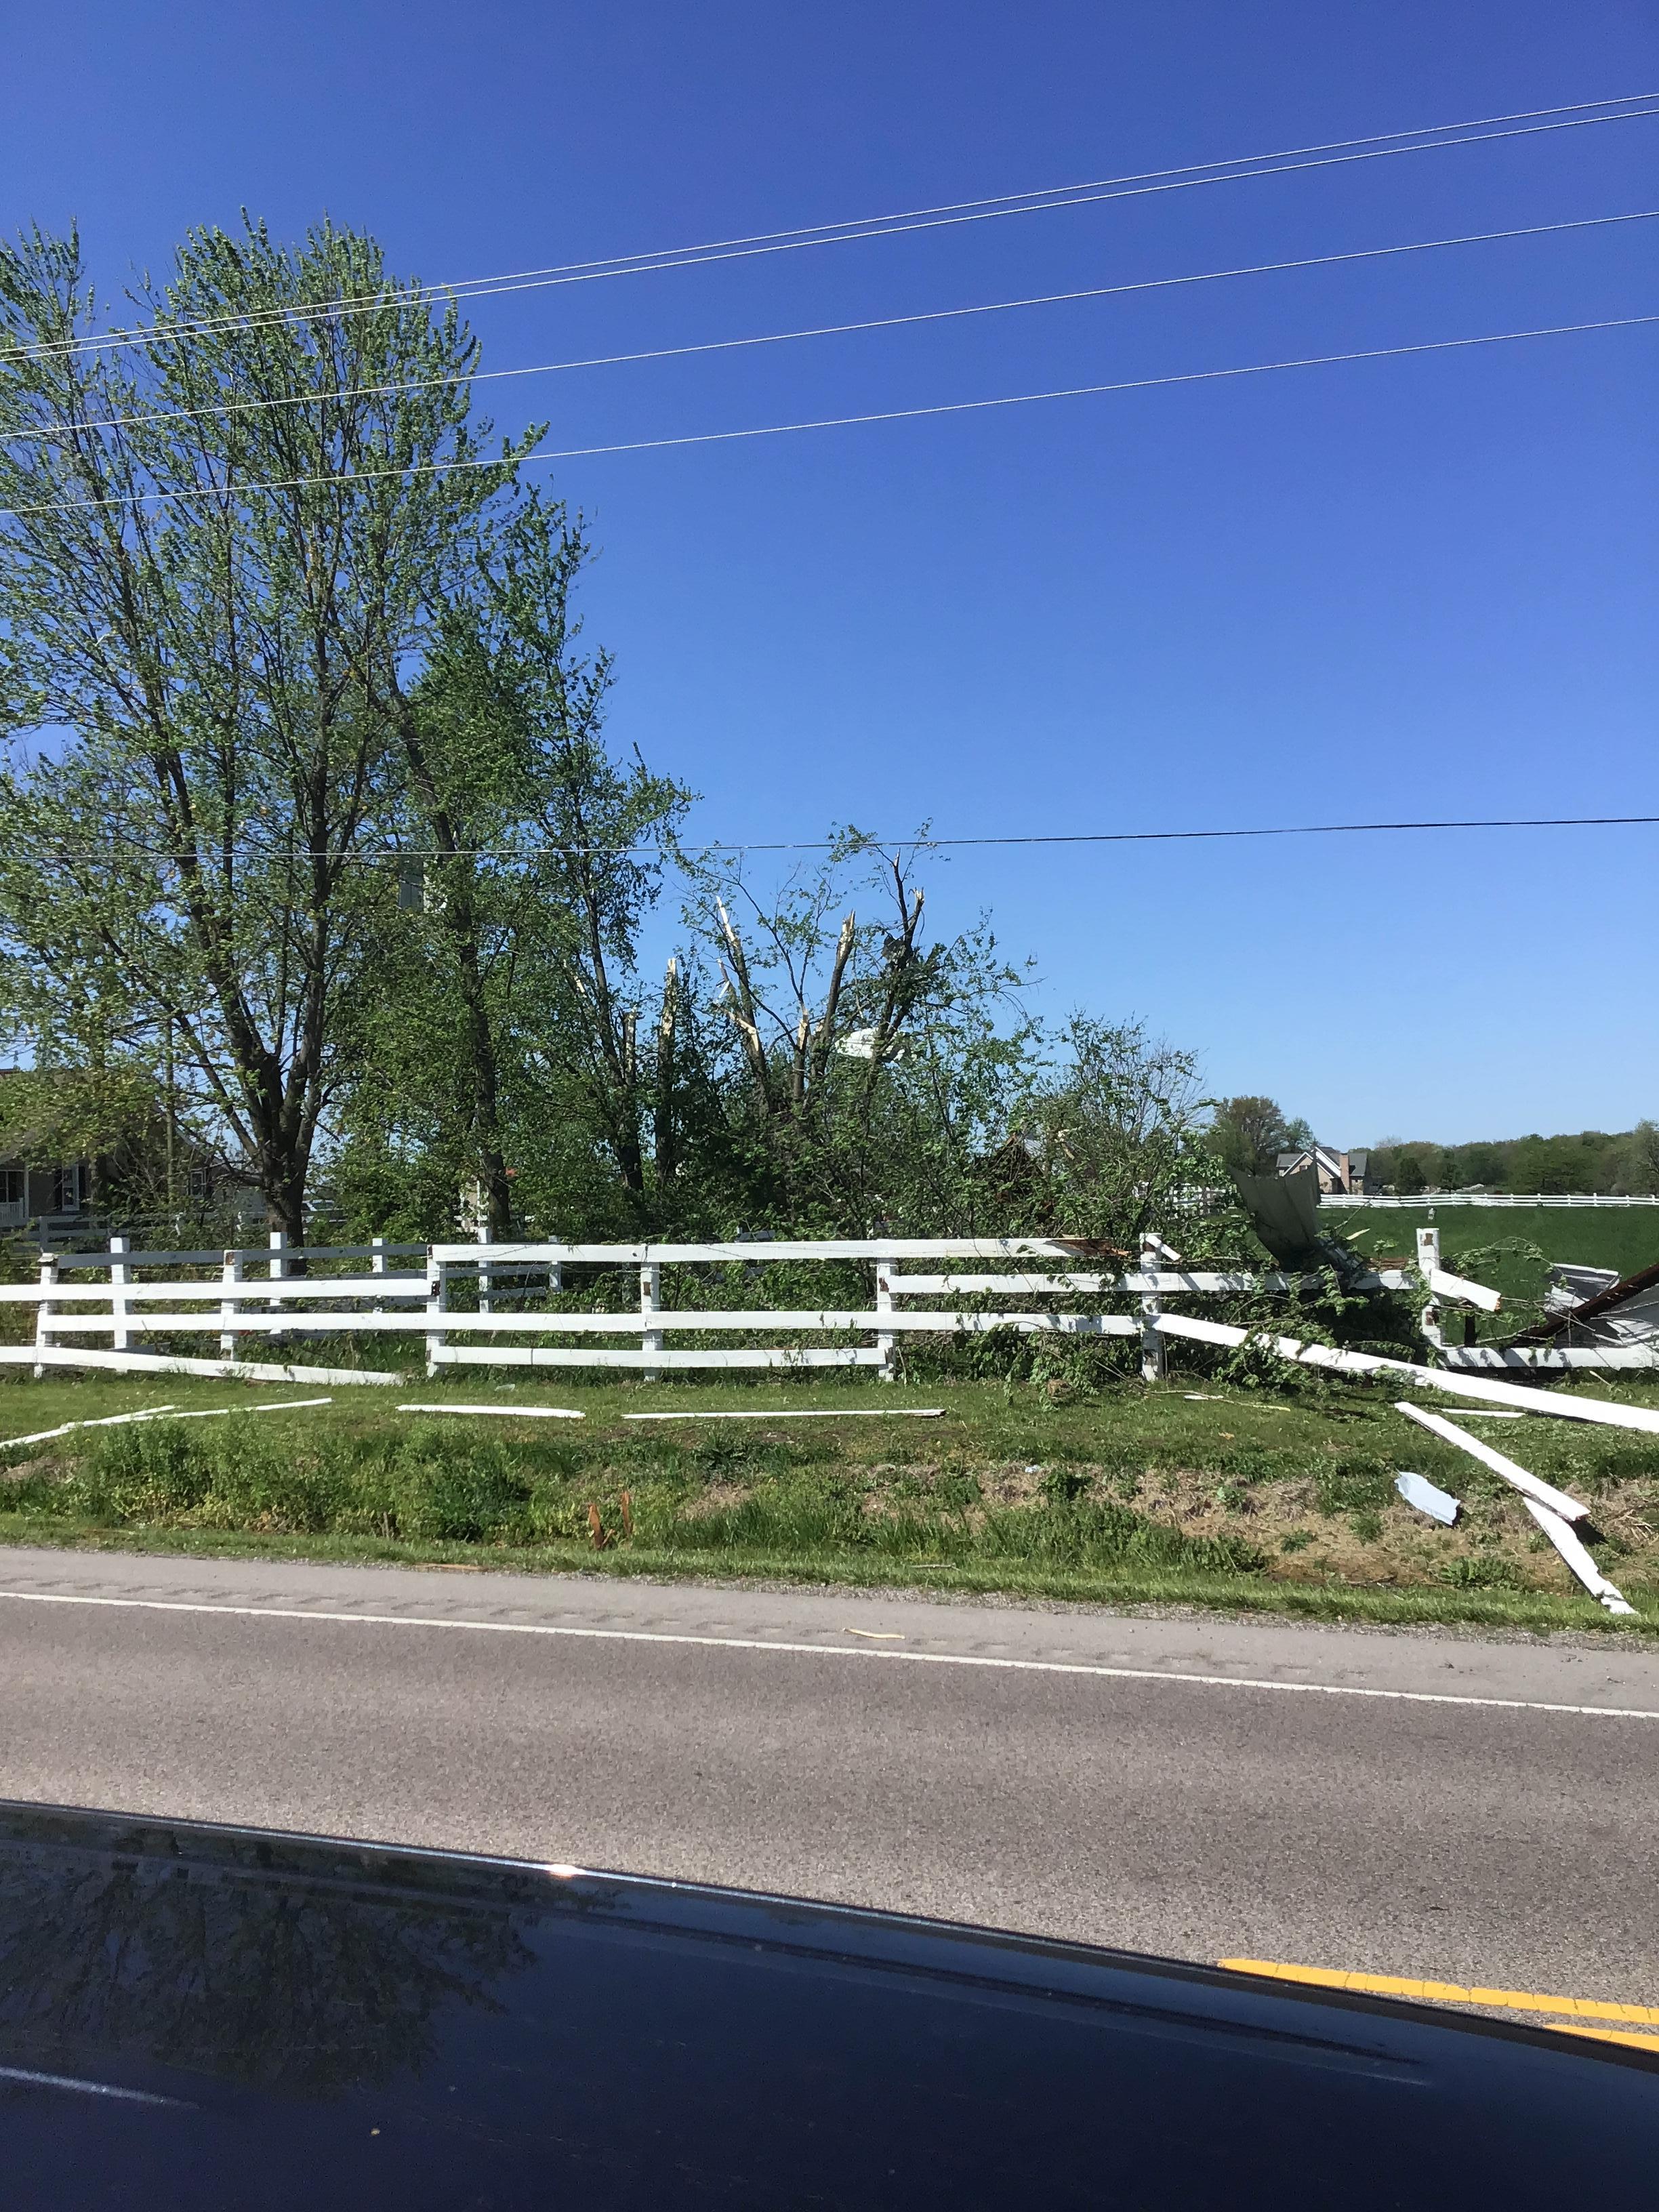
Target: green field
1252, 1502
1626, 1238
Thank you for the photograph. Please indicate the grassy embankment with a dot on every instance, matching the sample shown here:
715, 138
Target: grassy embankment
1267, 1503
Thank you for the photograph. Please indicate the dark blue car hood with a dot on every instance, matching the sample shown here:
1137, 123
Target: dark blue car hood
206, 2016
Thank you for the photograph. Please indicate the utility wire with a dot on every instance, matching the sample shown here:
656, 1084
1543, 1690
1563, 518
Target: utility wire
1133, 186
394, 856
239, 491
834, 329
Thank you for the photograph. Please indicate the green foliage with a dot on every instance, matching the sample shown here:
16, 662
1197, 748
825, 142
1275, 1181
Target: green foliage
1247, 1134
186, 869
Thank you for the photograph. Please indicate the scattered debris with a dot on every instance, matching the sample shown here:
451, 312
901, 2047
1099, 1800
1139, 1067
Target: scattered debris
518, 1413
1571, 1286
803, 1413
1417, 1490
1620, 1315
596, 1527
1531, 1487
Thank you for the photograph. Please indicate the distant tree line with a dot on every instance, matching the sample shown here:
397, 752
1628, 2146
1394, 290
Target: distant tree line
1594, 1160
319, 867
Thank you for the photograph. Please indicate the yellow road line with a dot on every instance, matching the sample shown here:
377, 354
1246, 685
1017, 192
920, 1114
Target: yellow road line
1397, 1986
1647, 2043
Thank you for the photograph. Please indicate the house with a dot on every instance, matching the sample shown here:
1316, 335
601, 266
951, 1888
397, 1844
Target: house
1340, 1174
53, 1199
155, 1170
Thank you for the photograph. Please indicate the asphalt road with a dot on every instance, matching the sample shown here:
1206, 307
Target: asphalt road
1197, 1788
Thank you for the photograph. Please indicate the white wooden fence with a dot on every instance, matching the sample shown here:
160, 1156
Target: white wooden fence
492, 1304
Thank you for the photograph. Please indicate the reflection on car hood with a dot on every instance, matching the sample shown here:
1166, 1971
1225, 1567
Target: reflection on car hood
209, 2016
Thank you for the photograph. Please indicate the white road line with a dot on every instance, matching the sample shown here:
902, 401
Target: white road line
832, 1651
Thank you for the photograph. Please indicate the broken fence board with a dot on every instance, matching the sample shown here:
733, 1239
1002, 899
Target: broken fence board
1427, 1378
1578, 1559
803, 1413
1446, 1286
516, 1413
1530, 1485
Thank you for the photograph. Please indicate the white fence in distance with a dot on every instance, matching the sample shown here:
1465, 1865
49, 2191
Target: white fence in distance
1430, 1198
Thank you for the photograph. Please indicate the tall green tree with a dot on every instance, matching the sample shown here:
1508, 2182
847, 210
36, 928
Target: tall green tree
213, 526
508, 1005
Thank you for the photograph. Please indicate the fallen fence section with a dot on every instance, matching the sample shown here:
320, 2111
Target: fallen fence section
1428, 1378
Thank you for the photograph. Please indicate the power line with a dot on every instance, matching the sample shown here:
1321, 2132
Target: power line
239, 491
395, 855
839, 330
1136, 186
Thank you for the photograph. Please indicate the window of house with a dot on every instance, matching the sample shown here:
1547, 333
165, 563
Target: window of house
14, 1192
66, 1190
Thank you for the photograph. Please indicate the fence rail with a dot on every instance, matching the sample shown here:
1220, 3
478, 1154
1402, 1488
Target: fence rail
510, 1315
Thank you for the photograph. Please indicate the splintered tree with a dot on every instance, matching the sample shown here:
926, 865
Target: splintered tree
215, 524
868, 1069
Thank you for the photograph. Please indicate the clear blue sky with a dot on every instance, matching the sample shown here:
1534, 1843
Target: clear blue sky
1410, 587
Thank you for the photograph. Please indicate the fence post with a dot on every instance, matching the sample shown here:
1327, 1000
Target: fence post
886, 1339
120, 1333
437, 1297
377, 1263
1428, 1259
230, 1274
486, 1235
651, 1303
43, 1311
1152, 1337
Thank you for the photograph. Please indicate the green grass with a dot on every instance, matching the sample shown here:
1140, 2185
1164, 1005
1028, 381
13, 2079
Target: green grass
1626, 1238
1254, 1502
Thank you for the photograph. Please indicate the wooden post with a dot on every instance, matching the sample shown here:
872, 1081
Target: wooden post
1428, 1262
1152, 1337
651, 1303
230, 1274
437, 1297
377, 1263
486, 1235
886, 1339
43, 1311
120, 1332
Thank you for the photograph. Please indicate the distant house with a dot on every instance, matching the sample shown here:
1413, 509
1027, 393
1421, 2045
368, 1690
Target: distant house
1340, 1174
54, 1198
